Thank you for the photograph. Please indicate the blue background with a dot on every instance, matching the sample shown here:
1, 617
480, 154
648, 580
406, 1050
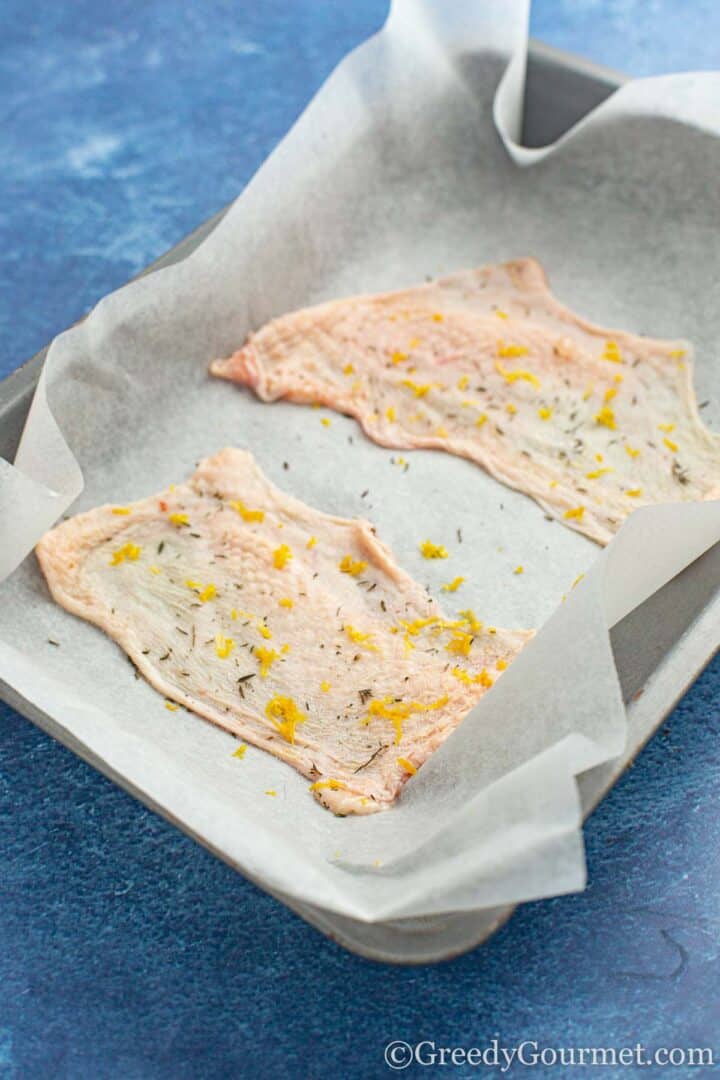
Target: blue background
125, 949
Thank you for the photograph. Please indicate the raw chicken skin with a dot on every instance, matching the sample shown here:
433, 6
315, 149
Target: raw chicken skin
288, 627
591, 423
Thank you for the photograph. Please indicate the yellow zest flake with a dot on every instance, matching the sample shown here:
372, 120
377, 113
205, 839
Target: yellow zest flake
348, 370
391, 414
271, 791
234, 614
483, 679
285, 715
286, 602
397, 711
599, 457
204, 594
507, 351
406, 765
311, 542
399, 461
463, 381
441, 432
437, 317
179, 519
597, 473
587, 393
266, 657
469, 619
634, 493
574, 514
553, 483
612, 352
121, 510
482, 419
356, 387
577, 580
127, 551
631, 451
433, 551
419, 624
609, 394
519, 570
325, 421
398, 357
325, 687
501, 665
671, 445
154, 569
171, 706
677, 354
353, 567
281, 556
245, 514
510, 408
606, 417
419, 391
359, 638
414, 342
454, 585
501, 314
667, 428
332, 784
284, 649
223, 646
514, 376
409, 646
240, 752
264, 631
544, 412
460, 643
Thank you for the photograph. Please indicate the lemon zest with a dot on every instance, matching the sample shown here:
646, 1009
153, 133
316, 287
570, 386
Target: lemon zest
286, 602
606, 417
240, 752
634, 493
266, 657
544, 412
121, 510
171, 706
360, 638
223, 646
519, 570
433, 551
631, 451
597, 473
285, 715
520, 373
406, 765
353, 567
331, 783
325, 686
398, 711
127, 551
245, 513
454, 585
671, 445
612, 352
576, 513
282, 556
179, 519
311, 542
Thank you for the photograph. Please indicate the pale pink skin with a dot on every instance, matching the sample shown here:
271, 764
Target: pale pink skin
146, 612
448, 336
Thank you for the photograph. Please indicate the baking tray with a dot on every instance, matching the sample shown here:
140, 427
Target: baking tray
660, 648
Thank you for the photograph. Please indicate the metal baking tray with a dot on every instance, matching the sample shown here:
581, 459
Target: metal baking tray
659, 649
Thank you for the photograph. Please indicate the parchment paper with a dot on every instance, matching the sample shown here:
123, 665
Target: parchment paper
396, 171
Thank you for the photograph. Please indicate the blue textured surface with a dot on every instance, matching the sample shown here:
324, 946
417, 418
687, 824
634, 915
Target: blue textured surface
125, 949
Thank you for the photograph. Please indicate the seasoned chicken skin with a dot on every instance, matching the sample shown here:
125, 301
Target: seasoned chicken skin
486, 364
292, 629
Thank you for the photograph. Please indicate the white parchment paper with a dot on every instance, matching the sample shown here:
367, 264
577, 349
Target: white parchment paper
405, 165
